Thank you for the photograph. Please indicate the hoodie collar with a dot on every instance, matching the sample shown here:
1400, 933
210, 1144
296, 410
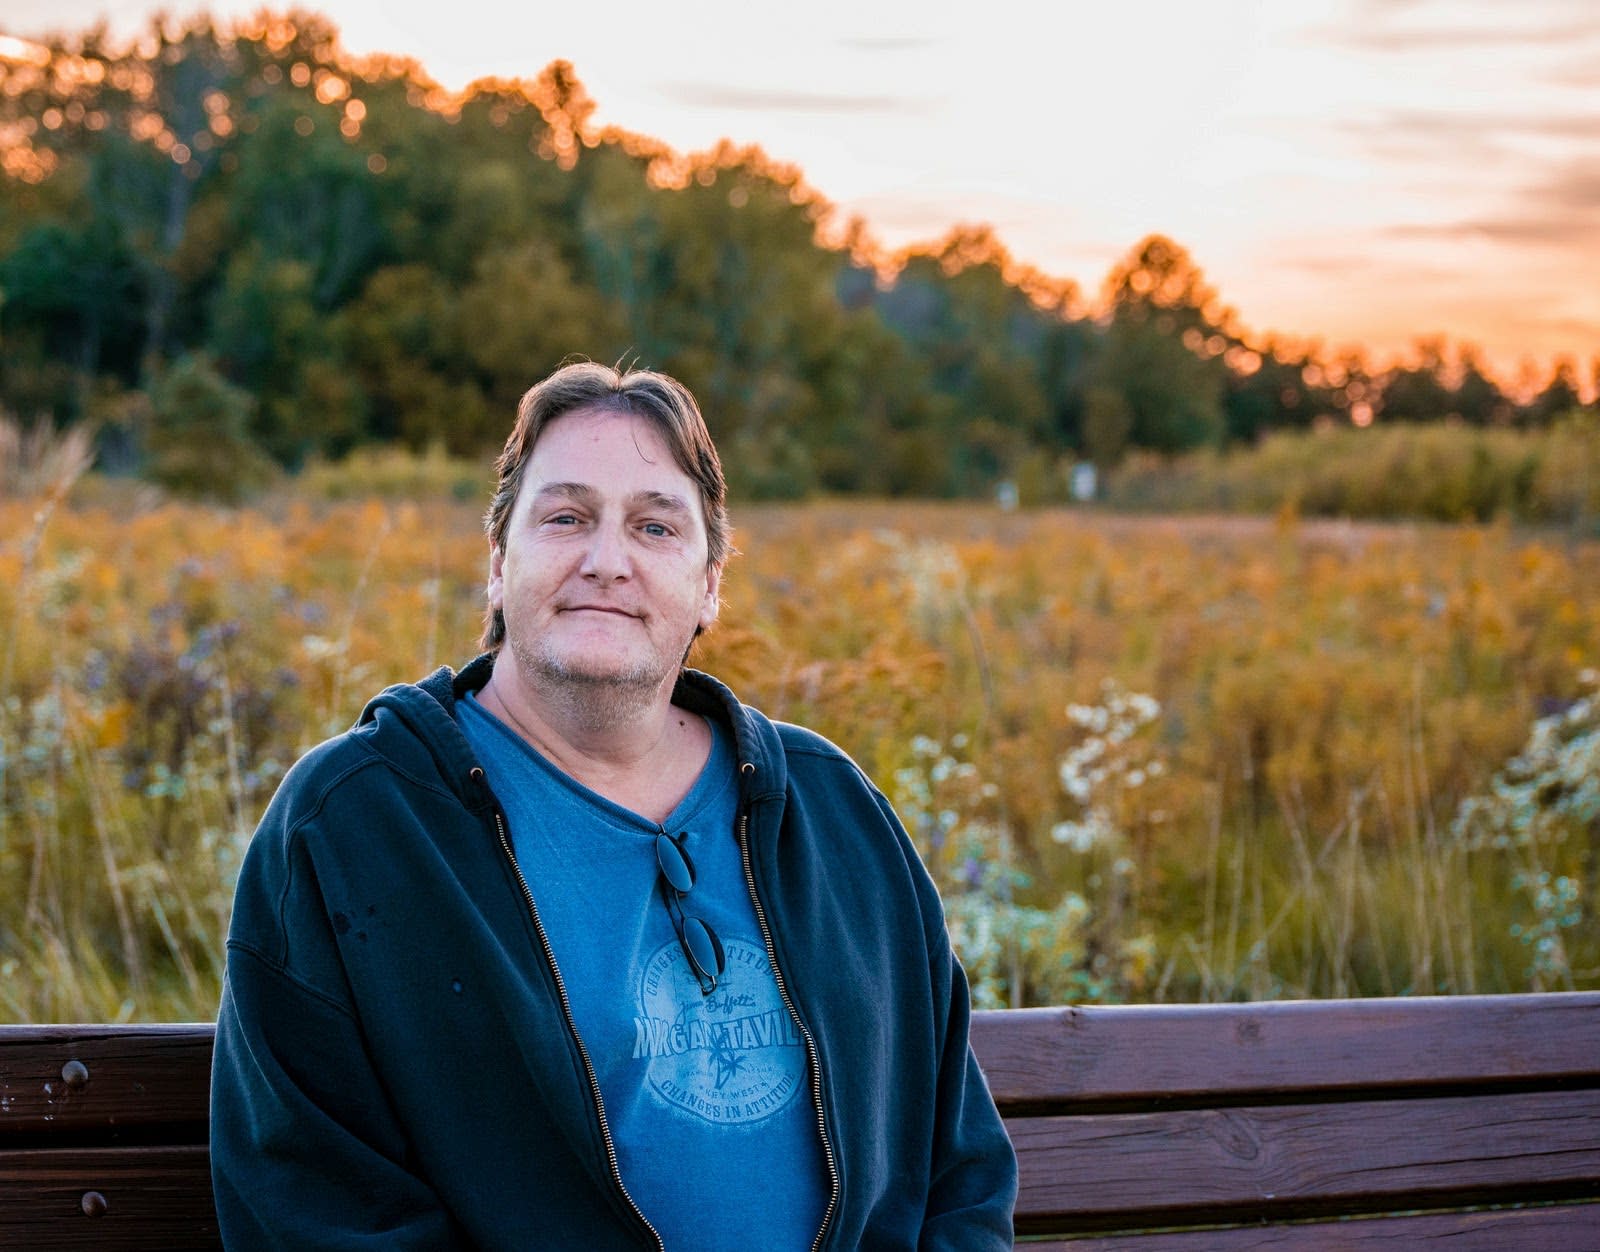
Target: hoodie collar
762, 768
428, 707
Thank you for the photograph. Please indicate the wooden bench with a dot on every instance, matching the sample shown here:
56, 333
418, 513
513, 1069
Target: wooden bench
1331, 1124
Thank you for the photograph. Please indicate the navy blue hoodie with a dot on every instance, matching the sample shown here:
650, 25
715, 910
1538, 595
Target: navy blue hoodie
396, 1065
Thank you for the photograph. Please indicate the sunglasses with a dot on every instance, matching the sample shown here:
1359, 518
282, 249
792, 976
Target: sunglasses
700, 942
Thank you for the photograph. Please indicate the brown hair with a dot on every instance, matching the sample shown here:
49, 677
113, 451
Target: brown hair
664, 402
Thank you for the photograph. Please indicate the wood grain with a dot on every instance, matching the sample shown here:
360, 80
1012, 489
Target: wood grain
155, 1199
1218, 1053
1294, 1161
136, 1083
1567, 1227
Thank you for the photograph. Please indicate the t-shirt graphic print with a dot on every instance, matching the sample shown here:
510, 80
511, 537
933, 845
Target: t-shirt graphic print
732, 1057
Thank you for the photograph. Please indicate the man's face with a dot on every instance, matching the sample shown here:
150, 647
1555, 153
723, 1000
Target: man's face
604, 576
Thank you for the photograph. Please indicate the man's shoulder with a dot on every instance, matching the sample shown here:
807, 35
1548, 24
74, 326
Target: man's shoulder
814, 762
321, 772
777, 749
802, 741
407, 729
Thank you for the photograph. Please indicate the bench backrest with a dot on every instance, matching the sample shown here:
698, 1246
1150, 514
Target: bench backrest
103, 1138
1207, 1121
1218, 1118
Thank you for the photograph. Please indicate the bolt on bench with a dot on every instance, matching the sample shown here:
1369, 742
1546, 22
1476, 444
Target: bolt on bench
1163, 1128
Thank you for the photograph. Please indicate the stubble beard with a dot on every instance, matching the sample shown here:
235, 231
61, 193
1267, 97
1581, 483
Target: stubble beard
600, 697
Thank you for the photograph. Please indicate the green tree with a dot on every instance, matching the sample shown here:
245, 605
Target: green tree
199, 438
522, 314
306, 195
1477, 397
1417, 393
714, 272
403, 341
271, 338
986, 344
1162, 347
79, 293
1559, 395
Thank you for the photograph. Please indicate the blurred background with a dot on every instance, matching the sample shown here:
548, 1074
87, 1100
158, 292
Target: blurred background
1166, 447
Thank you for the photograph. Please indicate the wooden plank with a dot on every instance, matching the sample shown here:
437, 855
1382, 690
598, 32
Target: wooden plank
1573, 1227
1219, 1052
149, 1199
1156, 1141
1189, 1166
132, 1080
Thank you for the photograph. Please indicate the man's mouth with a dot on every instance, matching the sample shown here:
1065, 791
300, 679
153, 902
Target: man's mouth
611, 609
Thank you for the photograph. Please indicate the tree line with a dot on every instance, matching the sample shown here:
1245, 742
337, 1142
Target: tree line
233, 249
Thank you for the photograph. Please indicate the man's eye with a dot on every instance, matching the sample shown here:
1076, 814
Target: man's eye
656, 530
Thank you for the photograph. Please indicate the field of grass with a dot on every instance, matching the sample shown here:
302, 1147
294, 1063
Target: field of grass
1439, 471
1147, 758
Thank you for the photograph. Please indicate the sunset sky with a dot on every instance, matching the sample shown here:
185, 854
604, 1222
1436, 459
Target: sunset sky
1359, 171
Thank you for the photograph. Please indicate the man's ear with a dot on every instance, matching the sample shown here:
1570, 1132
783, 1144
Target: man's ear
497, 581
712, 604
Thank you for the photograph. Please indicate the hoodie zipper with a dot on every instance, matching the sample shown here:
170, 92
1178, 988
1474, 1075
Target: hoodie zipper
572, 1026
811, 1044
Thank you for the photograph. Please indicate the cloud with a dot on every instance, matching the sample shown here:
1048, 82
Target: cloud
1558, 211
1460, 141
775, 100
1341, 264
886, 43
1335, 264
1404, 26
1433, 39
1528, 228
1582, 72
1456, 124
1583, 326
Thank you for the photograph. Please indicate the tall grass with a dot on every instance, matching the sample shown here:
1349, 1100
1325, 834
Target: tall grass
1444, 473
1146, 758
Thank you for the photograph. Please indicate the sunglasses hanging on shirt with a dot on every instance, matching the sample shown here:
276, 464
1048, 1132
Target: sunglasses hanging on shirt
700, 943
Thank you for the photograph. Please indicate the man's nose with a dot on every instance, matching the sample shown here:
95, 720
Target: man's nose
606, 558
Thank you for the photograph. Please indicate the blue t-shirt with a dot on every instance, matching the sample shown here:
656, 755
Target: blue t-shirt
707, 1097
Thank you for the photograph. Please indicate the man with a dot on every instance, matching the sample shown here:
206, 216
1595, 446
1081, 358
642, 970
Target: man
571, 949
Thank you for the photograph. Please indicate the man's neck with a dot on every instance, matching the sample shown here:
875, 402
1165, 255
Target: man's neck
643, 753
